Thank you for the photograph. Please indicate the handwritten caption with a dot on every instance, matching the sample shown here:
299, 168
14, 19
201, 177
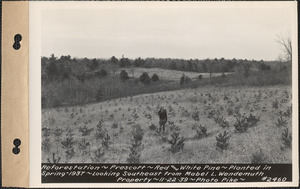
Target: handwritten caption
158, 173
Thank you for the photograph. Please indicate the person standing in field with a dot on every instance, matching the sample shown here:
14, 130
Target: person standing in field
162, 113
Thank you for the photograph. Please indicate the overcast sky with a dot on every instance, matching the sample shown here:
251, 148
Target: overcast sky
247, 33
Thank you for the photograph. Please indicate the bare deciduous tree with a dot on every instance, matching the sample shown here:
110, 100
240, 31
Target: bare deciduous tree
286, 43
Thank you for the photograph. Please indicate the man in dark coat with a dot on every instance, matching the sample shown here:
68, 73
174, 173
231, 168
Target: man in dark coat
162, 113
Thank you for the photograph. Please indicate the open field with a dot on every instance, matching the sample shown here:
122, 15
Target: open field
165, 74
256, 119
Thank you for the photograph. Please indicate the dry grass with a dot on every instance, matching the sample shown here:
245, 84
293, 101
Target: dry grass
257, 101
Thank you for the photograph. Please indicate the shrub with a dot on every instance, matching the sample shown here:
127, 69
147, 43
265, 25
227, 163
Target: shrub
187, 79
264, 67
144, 78
152, 127
124, 75
99, 95
222, 141
177, 142
154, 77
200, 77
101, 73
182, 79
259, 157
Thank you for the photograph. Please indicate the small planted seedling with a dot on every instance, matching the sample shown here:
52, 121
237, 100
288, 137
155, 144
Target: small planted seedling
51, 121
100, 133
55, 158
46, 131
68, 145
286, 138
121, 129
287, 113
106, 141
98, 155
114, 125
136, 144
83, 146
195, 115
57, 132
252, 120
46, 145
229, 111
177, 142
275, 104
241, 125
85, 131
111, 116
281, 122
211, 114
221, 121
201, 131
173, 127
222, 141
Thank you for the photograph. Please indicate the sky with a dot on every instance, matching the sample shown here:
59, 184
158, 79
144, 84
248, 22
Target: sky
187, 32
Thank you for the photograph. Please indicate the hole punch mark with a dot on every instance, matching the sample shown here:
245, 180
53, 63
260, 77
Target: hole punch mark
16, 150
17, 142
17, 38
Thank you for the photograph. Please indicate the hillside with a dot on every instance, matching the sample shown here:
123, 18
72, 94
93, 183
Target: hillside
257, 119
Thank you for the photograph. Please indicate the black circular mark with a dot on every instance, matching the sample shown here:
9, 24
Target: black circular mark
17, 38
17, 143
16, 150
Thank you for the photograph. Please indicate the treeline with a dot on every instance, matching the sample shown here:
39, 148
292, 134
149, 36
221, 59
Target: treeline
66, 66
73, 81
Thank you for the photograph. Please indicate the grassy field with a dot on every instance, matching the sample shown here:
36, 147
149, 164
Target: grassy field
164, 74
103, 132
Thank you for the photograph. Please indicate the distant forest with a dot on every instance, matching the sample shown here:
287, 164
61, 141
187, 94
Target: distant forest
65, 66
73, 81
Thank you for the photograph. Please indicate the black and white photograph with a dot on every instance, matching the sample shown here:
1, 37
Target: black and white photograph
166, 86
178, 83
